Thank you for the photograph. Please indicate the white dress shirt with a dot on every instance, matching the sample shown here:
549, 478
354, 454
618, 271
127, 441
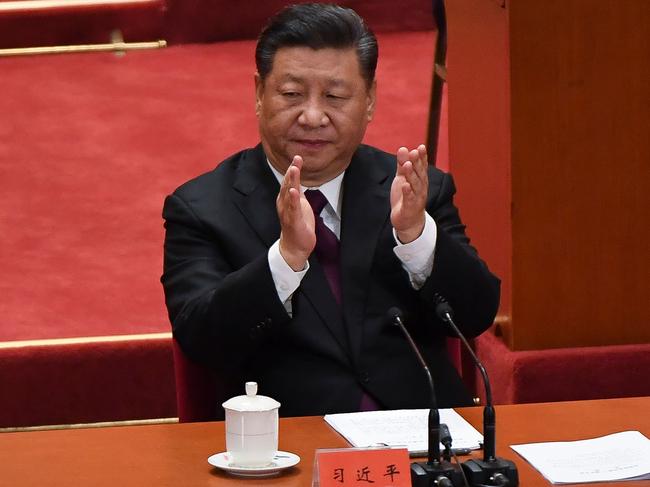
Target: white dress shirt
416, 256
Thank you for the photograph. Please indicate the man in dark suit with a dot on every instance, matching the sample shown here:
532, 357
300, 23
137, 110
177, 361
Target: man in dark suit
262, 283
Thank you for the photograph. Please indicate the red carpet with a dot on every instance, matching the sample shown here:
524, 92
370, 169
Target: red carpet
91, 143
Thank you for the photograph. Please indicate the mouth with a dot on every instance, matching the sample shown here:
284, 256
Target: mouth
312, 144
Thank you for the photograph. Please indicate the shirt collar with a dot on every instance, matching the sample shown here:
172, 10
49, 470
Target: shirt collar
331, 189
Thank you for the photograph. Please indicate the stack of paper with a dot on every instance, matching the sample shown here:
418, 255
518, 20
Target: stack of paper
619, 456
403, 427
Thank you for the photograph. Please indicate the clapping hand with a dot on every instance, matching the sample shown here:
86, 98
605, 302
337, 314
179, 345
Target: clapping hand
408, 193
298, 236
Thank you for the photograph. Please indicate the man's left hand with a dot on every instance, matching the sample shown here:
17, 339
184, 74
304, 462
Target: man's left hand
408, 193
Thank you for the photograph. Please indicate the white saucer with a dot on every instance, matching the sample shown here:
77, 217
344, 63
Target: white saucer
281, 461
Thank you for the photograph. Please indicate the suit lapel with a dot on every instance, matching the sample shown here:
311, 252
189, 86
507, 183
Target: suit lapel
366, 210
256, 190
316, 290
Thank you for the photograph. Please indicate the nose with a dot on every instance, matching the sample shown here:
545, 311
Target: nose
313, 115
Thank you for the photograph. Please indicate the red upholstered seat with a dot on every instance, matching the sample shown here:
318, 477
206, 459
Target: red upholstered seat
196, 388
564, 374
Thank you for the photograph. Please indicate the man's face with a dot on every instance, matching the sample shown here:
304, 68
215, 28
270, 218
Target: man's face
315, 104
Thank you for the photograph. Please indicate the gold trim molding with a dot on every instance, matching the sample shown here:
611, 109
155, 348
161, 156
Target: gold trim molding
39, 5
105, 424
117, 47
84, 340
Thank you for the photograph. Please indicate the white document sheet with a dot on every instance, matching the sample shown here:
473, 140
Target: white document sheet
402, 427
619, 456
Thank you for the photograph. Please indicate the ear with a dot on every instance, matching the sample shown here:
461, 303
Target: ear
259, 93
370, 100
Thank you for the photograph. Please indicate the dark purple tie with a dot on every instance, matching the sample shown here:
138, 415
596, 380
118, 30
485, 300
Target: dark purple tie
328, 251
327, 245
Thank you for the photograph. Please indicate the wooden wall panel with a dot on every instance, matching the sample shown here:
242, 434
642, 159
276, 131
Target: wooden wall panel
579, 119
580, 172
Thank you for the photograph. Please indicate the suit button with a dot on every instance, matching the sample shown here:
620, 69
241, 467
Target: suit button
364, 377
256, 331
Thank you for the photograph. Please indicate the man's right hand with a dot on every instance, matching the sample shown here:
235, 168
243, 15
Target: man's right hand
298, 236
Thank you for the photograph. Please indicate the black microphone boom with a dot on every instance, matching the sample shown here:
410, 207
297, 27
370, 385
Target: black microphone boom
434, 471
491, 470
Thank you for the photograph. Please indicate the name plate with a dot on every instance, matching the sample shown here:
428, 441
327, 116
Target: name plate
385, 467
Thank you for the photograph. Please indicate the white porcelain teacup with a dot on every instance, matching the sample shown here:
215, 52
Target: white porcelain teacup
251, 428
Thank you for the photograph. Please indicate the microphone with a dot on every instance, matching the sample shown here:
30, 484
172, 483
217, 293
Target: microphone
492, 470
433, 471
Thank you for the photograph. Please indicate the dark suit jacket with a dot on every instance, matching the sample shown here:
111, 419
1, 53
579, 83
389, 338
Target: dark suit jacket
225, 311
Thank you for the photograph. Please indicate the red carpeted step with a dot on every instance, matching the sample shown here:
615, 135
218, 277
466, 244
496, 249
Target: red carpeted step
32, 23
85, 381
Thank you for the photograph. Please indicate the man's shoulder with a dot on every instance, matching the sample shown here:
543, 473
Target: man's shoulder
220, 178
388, 161
374, 154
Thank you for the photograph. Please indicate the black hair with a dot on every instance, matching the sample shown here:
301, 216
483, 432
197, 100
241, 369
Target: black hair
318, 26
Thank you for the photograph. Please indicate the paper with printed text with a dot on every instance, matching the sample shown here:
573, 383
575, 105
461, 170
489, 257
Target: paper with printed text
619, 456
402, 427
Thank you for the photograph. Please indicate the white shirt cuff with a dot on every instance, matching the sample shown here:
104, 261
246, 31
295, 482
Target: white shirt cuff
417, 256
285, 278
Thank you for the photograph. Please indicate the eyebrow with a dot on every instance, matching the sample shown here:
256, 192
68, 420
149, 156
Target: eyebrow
292, 78
338, 82
333, 82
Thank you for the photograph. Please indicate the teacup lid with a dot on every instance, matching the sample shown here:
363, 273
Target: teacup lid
251, 401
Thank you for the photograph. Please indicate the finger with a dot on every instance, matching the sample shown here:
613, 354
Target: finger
287, 203
290, 213
415, 158
412, 177
422, 149
284, 187
297, 161
407, 192
287, 182
294, 199
402, 156
410, 185
296, 168
404, 169
293, 174
419, 161
423, 160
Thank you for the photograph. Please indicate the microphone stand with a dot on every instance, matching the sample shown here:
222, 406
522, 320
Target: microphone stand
491, 470
434, 471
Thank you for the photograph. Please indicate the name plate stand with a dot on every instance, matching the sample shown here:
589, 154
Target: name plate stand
358, 467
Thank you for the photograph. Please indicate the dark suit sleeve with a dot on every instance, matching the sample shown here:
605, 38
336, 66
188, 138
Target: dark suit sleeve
459, 275
220, 310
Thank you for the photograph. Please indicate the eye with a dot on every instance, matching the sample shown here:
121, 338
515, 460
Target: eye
290, 94
336, 99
